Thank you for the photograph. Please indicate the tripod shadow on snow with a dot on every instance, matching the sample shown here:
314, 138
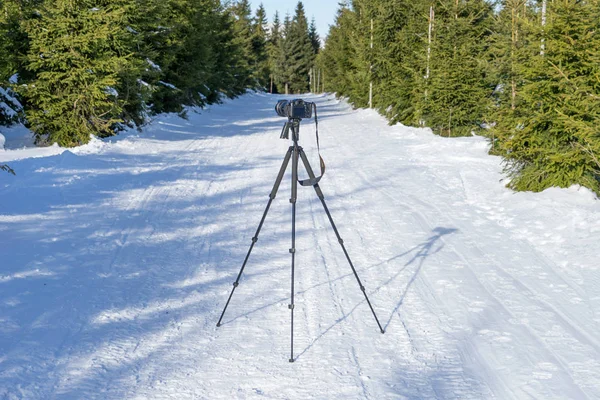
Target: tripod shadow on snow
421, 252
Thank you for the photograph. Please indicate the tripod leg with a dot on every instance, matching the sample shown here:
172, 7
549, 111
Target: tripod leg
311, 174
293, 249
255, 237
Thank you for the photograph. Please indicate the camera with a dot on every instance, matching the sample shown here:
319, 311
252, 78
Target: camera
295, 109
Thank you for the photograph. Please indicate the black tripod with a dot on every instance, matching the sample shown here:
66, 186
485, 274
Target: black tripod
295, 152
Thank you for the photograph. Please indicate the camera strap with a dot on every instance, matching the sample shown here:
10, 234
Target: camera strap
314, 181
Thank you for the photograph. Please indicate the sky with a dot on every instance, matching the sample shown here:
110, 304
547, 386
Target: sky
323, 10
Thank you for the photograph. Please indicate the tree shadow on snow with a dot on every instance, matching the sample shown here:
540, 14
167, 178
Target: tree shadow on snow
110, 260
106, 256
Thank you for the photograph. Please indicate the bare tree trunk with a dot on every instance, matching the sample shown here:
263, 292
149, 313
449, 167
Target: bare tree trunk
271, 87
431, 16
286, 88
371, 69
318, 79
514, 39
429, 39
543, 45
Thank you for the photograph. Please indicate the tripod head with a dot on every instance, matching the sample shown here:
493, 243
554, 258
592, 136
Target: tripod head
292, 124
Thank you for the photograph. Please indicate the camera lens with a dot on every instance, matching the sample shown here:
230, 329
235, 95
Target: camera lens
281, 108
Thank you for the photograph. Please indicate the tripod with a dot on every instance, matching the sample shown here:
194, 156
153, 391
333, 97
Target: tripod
295, 152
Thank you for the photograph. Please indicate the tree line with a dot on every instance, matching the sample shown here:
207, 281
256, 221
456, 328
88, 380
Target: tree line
74, 68
525, 73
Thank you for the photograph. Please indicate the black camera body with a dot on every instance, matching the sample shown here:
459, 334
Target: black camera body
294, 109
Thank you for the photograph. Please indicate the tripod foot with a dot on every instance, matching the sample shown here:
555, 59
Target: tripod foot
292, 360
218, 324
382, 331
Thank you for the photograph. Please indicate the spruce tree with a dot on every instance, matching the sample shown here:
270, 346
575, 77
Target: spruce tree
359, 76
274, 54
194, 60
283, 64
297, 52
259, 48
12, 46
242, 27
401, 64
459, 92
76, 55
553, 141
337, 55
313, 35
511, 44
229, 60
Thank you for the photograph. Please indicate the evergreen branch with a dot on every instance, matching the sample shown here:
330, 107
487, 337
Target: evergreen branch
571, 82
589, 152
5, 167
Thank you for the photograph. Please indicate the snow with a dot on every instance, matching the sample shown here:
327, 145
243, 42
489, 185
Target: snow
118, 256
111, 91
169, 85
153, 65
9, 110
2, 141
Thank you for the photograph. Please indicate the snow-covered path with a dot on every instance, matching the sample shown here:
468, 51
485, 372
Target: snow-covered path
117, 258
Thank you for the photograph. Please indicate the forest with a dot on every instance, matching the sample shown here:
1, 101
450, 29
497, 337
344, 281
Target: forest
74, 68
524, 73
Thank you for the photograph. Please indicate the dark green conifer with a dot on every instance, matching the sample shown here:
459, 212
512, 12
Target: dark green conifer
76, 54
259, 48
459, 91
337, 55
242, 27
297, 52
553, 139
274, 47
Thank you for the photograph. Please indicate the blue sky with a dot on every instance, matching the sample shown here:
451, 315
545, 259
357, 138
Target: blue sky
323, 10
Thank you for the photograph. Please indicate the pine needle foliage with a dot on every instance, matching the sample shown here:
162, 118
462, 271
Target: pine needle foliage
554, 140
76, 54
459, 92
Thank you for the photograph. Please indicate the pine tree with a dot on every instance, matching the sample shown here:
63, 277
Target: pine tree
313, 35
148, 42
459, 92
76, 55
242, 27
283, 70
194, 61
553, 140
401, 64
297, 52
337, 55
510, 46
229, 61
315, 42
274, 54
259, 47
12, 46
